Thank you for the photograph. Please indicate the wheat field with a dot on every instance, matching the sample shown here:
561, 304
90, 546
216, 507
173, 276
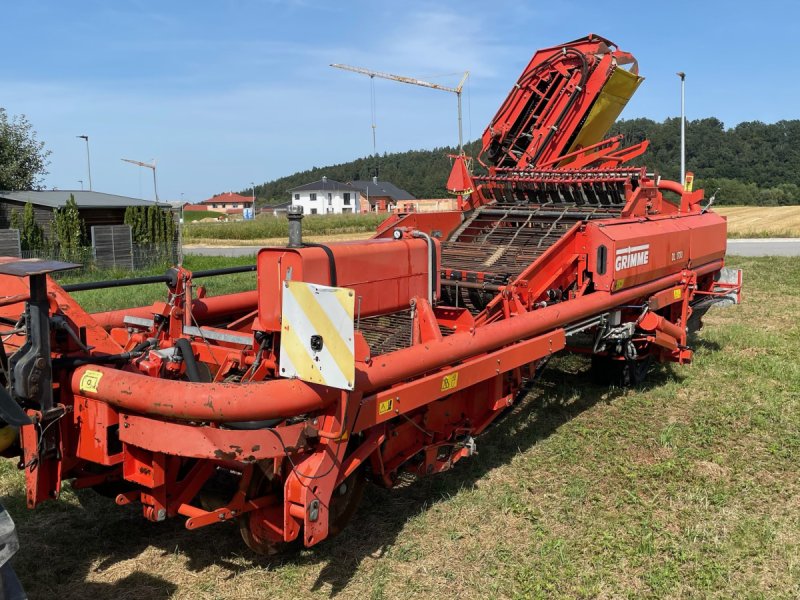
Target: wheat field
761, 221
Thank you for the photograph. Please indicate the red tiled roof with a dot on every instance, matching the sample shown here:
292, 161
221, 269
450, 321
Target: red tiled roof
228, 197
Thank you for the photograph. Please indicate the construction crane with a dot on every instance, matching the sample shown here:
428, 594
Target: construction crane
413, 81
147, 166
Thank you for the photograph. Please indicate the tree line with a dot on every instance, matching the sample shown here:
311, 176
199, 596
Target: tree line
753, 163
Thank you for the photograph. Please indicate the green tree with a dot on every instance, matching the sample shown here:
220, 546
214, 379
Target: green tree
31, 235
23, 158
151, 225
69, 231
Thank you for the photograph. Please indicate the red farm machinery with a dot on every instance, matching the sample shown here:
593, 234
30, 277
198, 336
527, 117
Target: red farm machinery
374, 359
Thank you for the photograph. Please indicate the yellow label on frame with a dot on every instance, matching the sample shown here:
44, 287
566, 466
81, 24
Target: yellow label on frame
385, 406
450, 382
676, 294
89, 381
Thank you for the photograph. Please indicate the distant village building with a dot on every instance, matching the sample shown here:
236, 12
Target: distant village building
380, 196
228, 203
95, 208
426, 205
328, 196
276, 210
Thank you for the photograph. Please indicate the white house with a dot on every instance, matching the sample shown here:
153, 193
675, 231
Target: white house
326, 196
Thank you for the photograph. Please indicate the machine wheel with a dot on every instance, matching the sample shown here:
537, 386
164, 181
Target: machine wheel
620, 373
344, 502
259, 538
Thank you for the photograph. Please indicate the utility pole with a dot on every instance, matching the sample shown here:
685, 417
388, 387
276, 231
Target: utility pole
147, 166
411, 80
682, 75
180, 235
88, 160
254, 198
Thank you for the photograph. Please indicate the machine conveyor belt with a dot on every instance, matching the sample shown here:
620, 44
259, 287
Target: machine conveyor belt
499, 241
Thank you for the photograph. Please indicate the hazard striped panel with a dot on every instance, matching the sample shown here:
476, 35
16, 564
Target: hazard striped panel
317, 334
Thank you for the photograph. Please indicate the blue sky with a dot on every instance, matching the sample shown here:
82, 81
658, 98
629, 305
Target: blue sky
232, 91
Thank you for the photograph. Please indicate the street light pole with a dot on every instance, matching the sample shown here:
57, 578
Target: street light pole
682, 75
254, 198
88, 160
81, 182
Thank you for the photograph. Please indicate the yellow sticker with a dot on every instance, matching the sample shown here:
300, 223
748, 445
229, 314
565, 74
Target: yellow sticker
676, 294
618, 284
89, 381
449, 382
385, 406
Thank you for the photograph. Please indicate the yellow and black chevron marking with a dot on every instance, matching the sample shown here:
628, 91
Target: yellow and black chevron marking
317, 334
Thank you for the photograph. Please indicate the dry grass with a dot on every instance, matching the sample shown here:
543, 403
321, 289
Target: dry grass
687, 488
278, 241
761, 221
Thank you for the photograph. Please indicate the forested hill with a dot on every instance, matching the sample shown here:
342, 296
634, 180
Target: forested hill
751, 163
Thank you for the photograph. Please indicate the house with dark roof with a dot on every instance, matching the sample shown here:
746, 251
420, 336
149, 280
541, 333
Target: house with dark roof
95, 208
328, 196
380, 196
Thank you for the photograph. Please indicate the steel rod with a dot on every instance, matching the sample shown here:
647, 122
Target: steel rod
109, 283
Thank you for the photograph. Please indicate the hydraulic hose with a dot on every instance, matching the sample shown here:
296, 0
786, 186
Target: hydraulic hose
192, 370
193, 373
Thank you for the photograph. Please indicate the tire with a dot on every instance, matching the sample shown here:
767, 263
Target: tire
620, 373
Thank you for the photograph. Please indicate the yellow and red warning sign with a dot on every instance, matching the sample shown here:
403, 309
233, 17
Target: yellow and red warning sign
317, 334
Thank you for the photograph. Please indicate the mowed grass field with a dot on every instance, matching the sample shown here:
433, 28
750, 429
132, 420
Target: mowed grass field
686, 488
761, 221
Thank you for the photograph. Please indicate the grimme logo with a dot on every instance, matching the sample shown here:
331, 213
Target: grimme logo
632, 256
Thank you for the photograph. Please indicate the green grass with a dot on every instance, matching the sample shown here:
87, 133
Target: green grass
687, 488
143, 295
190, 216
269, 226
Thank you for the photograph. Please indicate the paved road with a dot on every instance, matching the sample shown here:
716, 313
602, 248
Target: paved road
743, 247
765, 247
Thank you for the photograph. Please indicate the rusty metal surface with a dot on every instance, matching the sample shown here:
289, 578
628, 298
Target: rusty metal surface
501, 240
387, 333
34, 266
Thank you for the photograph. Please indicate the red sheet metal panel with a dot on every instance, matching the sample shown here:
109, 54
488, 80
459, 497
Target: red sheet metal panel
626, 253
385, 274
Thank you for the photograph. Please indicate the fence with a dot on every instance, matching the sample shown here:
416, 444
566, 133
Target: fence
143, 256
112, 248
9, 243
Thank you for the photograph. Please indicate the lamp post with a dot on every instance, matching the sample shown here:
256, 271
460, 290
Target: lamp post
254, 198
81, 182
682, 75
85, 138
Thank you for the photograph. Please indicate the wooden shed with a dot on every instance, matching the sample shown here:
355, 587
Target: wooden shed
96, 208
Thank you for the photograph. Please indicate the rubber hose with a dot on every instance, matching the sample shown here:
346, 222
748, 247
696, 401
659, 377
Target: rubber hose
192, 370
